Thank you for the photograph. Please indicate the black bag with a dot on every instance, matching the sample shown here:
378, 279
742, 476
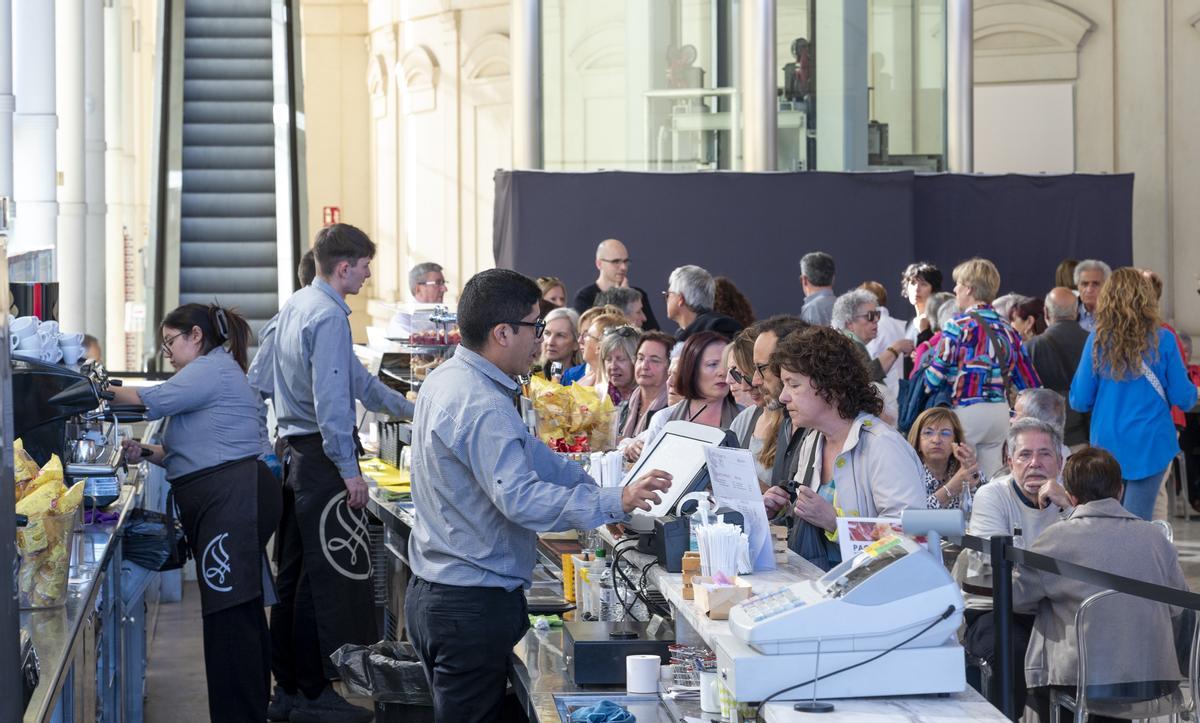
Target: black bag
387, 671
155, 540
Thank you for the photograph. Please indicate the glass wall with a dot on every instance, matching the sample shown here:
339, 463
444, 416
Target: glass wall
653, 84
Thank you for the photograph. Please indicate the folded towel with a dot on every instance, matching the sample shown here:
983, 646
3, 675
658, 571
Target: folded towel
605, 711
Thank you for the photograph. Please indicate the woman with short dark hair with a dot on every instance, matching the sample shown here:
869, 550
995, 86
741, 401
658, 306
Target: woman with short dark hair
920, 281
700, 381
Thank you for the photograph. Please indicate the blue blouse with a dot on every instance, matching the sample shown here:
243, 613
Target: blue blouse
1129, 419
573, 375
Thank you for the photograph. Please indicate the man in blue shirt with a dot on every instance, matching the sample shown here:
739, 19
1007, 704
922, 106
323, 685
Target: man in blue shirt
482, 488
324, 534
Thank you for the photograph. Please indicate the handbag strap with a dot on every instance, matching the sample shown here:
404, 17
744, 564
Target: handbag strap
1151, 377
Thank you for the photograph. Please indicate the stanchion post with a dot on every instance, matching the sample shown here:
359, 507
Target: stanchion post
1002, 623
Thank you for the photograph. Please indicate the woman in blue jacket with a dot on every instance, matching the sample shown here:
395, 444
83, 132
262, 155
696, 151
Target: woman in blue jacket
1129, 376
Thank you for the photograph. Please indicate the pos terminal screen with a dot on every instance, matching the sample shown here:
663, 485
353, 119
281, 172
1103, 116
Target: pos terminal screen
678, 451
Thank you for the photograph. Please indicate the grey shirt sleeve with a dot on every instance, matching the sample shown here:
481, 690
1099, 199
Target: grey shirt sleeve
377, 397
506, 462
333, 362
191, 388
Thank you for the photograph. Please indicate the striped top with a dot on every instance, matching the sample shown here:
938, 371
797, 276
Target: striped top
965, 359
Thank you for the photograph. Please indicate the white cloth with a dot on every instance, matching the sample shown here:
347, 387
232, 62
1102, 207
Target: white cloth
985, 426
890, 331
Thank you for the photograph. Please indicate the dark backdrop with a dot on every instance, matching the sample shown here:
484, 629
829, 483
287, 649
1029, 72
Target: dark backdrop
754, 227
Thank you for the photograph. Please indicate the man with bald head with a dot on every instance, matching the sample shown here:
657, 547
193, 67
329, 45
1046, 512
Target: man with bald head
612, 261
1055, 355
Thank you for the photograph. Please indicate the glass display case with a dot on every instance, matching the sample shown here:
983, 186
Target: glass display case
427, 336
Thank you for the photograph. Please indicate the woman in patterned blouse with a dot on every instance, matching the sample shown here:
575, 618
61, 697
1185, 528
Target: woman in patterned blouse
950, 466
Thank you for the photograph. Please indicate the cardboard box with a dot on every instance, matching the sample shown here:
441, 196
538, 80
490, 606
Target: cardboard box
717, 603
691, 568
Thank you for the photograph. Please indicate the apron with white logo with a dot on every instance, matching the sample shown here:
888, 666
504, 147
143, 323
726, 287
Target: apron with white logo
218, 508
337, 548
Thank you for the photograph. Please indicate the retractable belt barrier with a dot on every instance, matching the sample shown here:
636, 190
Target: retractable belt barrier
1004, 555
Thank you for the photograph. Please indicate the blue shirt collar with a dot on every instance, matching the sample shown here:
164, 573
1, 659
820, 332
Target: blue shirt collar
324, 286
485, 367
818, 294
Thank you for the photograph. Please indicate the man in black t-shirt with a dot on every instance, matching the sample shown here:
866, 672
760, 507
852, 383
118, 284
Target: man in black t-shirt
612, 261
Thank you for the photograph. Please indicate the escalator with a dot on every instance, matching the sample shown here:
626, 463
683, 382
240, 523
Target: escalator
228, 218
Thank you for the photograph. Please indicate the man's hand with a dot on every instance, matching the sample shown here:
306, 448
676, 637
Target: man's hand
812, 507
1053, 492
642, 493
634, 450
356, 492
775, 499
132, 450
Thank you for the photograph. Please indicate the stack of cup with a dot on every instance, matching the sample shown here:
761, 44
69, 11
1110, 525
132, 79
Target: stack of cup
42, 341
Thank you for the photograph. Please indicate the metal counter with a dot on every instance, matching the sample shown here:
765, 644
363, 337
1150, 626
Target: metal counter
80, 680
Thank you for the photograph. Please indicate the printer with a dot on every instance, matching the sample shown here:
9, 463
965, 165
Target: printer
894, 594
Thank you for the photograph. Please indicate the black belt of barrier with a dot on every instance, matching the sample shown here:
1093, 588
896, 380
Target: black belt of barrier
1004, 555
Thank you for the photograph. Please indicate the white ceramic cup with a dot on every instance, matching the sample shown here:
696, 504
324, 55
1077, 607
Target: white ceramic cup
31, 343
50, 327
70, 339
71, 354
24, 326
709, 701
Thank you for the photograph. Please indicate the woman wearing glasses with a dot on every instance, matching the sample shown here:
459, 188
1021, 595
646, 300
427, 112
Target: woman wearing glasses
950, 466
650, 366
700, 381
228, 500
856, 314
978, 356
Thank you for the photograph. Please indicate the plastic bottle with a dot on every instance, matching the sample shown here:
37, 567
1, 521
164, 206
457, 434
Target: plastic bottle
583, 595
607, 594
702, 516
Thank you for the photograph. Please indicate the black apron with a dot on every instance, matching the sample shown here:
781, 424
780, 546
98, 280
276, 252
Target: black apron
337, 548
218, 508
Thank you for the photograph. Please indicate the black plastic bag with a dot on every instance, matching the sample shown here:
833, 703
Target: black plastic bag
154, 540
388, 672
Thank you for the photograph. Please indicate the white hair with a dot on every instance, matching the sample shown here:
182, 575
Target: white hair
1044, 404
695, 285
1091, 265
848, 304
565, 312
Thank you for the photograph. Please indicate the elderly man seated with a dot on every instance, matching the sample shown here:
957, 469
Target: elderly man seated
1130, 640
1021, 503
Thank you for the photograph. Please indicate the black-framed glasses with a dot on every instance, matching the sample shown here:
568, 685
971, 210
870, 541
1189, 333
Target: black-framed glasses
761, 370
166, 345
625, 330
667, 293
617, 262
741, 378
873, 315
538, 326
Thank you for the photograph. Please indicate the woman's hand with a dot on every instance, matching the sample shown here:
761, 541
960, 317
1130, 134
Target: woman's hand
964, 453
775, 499
634, 450
815, 509
132, 449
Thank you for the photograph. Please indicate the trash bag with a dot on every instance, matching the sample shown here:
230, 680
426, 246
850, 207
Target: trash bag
149, 542
388, 672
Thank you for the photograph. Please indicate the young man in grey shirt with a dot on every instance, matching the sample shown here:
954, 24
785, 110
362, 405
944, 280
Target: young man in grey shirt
324, 533
483, 488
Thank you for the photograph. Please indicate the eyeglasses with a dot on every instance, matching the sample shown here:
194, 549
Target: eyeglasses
667, 293
869, 316
166, 345
930, 433
761, 370
625, 331
538, 326
741, 378
617, 262
432, 283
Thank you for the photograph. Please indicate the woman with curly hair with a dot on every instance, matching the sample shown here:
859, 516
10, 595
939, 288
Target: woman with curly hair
730, 301
852, 464
1128, 377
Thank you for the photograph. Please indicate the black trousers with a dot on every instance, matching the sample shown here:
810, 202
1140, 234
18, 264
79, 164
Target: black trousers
980, 642
464, 637
237, 663
295, 648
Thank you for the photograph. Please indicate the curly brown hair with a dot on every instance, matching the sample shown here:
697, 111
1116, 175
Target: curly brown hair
730, 301
1127, 324
834, 366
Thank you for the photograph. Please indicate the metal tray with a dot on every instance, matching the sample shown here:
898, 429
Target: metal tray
645, 708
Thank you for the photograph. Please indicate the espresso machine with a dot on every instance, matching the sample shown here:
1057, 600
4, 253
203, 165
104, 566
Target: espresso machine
57, 410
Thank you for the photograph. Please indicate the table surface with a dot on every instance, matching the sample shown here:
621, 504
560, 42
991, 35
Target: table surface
55, 631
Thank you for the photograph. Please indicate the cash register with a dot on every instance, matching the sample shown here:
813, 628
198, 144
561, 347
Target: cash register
882, 623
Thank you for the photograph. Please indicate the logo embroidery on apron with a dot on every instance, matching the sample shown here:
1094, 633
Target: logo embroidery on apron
349, 554
215, 564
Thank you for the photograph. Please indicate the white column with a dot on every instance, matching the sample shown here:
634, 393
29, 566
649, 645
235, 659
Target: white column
7, 100
113, 342
759, 83
72, 208
93, 105
841, 85
960, 86
34, 169
525, 39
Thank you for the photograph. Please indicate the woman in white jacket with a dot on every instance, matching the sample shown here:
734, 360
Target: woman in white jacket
852, 464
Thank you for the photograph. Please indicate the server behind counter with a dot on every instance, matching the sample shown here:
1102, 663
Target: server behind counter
228, 499
485, 485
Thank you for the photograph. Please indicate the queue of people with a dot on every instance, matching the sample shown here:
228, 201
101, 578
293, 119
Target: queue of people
815, 397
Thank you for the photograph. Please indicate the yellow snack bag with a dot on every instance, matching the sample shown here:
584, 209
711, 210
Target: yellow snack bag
70, 500
42, 499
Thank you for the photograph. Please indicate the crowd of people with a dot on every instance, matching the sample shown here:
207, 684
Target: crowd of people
1053, 420
1036, 416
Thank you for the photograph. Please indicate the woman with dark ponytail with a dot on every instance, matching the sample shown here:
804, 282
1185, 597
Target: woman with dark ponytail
228, 500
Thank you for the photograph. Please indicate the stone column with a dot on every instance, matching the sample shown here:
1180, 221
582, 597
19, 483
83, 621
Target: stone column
72, 208
34, 125
94, 166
